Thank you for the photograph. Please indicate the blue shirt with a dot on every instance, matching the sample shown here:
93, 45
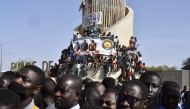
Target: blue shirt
94, 27
161, 107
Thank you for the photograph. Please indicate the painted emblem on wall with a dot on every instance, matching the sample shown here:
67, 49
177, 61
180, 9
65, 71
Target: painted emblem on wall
107, 44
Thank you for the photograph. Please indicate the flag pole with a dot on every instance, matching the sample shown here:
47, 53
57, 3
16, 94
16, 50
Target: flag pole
1, 58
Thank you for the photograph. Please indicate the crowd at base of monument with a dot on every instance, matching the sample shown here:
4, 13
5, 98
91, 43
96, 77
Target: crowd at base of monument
30, 89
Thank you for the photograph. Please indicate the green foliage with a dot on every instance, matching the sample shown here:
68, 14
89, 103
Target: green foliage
162, 68
186, 64
19, 64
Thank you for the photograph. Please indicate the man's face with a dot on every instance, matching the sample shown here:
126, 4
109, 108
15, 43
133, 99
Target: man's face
129, 97
65, 95
27, 78
153, 84
108, 101
170, 98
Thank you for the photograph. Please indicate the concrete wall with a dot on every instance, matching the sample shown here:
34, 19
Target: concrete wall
181, 77
185, 78
124, 28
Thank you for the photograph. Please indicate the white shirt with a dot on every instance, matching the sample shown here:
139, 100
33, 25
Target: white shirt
181, 101
116, 39
30, 105
76, 107
78, 66
139, 59
78, 36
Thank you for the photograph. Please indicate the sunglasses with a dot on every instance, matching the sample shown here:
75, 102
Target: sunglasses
130, 99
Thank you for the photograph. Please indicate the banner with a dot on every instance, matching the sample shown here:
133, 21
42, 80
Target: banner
94, 17
102, 45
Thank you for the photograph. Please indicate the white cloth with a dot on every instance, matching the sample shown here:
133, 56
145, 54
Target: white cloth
140, 59
79, 36
179, 106
30, 105
76, 107
181, 101
78, 66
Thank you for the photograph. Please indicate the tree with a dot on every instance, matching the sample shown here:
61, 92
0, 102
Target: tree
15, 66
186, 64
162, 68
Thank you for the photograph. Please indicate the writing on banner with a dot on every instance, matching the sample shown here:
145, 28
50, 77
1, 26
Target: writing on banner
94, 17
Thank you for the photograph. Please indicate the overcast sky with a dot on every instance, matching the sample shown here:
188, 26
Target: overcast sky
161, 26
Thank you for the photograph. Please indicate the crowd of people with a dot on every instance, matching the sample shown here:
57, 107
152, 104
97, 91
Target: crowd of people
92, 31
127, 59
30, 89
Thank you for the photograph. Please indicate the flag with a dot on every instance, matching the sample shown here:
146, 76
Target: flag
82, 5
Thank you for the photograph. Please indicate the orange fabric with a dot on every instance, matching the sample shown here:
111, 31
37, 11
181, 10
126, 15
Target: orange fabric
92, 46
103, 34
142, 66
34, 107
114, 64
114, 61
53, 79
131, 44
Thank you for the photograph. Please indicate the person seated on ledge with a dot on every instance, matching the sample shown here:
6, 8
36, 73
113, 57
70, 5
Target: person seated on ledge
94, 27
109, 34
77, 47
116, 41
131, 43
78, 35
84, 46
104, 34
92, 46
91, 34
115, 64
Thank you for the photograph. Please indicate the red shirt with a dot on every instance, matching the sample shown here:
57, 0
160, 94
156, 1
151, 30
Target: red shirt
128, 74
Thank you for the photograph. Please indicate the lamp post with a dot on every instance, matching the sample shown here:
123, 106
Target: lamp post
9, 68
1, 59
